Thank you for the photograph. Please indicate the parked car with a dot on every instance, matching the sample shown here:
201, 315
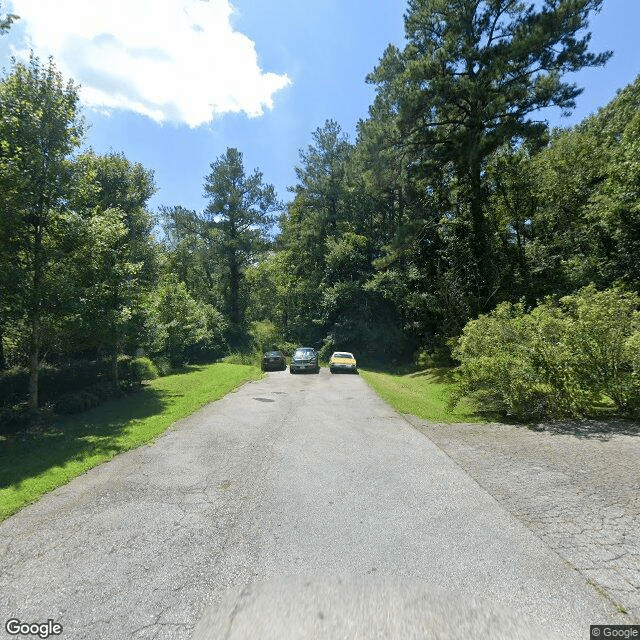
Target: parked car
304, 359
343, 361
274, 360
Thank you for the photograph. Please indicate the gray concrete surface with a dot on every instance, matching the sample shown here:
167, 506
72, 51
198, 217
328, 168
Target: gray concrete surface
575, 484
299, 608
306, 475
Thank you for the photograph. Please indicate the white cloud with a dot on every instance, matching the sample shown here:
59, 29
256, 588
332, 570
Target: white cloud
175, 60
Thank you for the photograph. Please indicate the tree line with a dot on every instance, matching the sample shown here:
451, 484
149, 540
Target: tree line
453, 198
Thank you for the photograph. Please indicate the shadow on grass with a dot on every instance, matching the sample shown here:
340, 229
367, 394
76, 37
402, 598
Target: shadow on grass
439, 374
96, 432
187, 368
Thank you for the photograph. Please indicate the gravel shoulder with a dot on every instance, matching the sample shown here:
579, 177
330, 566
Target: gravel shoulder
576, 485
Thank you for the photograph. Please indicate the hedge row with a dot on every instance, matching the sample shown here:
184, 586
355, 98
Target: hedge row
15, 416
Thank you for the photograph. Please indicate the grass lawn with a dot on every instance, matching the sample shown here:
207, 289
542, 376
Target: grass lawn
424, 394
33, 464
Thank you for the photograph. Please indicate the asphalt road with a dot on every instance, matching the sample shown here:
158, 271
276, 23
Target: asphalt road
292, 476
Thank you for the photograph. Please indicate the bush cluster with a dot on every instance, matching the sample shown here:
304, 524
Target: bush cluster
74, 388
244, 357
558, 360
53, 380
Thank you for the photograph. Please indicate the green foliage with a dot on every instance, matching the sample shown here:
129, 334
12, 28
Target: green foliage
467, 84
15, 418
40, 127
586, 224
6, 20
93, 396
163, 365
140, 369
558, 360
116, 249
327, 348
249, 357
437, 358
265, 335
452, 200
181, 328
191, 254
239, 216
70, 377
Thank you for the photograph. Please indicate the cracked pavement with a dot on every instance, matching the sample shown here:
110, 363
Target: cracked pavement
306, 475
576, 485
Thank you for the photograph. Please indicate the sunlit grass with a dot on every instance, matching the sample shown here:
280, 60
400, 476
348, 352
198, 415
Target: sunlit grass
33, 464
425, 394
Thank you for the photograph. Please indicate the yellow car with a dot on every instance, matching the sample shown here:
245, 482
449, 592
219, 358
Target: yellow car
343, 361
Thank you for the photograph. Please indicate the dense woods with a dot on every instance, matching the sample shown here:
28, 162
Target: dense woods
453, 201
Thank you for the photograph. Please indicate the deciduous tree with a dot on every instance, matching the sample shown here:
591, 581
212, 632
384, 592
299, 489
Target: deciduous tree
40, 126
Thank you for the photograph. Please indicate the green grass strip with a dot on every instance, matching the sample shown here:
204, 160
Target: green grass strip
424, 394
33, 464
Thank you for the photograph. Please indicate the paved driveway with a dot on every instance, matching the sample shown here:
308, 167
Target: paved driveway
575, 484
305, 475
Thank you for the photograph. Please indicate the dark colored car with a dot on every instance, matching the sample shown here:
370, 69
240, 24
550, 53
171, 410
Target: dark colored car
274, 360
304, 359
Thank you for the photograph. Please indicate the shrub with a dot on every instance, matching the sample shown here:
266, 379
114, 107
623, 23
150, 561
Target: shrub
288, 348
139, 369
14, 385
556, 361
326, 350
19, 418
603, 325
247, 357
163, 365
429, 359
53, 381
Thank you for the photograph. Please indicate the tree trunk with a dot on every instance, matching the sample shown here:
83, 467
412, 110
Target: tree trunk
479, 239
36, 305
114, 366
234, 290
34, 363
3, 359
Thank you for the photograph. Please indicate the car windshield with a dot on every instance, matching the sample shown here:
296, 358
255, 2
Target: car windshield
304, 353
338, 354
273, 354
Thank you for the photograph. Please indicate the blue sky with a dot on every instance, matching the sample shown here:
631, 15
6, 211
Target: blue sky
173, 83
